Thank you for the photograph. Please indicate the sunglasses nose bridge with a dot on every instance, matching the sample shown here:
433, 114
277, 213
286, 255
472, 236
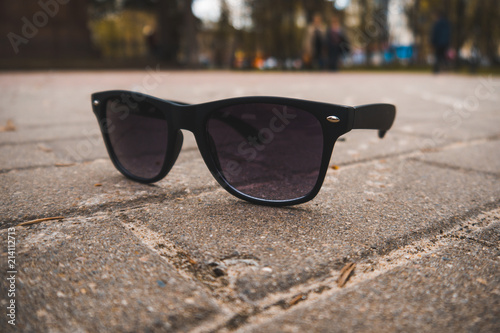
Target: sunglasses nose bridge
184, 116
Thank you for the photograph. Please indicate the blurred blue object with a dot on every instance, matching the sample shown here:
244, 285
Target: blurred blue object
404, 52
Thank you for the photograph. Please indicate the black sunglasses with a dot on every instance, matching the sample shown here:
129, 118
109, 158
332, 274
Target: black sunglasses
266, 150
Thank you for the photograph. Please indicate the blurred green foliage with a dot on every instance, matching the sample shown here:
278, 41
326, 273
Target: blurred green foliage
123, 34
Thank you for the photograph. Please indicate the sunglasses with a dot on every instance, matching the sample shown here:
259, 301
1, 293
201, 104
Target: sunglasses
266, 150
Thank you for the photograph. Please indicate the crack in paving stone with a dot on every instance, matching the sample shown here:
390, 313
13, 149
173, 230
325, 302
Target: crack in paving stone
455, 167
72, 161
444, 225
113, 206
51, 165
28, 142
479, 241
218, 276
412, 154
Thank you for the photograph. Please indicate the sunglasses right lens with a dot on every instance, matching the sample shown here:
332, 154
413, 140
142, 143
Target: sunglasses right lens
267, 151
138, 133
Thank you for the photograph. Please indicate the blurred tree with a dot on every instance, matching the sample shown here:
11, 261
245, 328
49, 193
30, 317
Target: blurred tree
123, 29
416, 22
188, 29
372, 31
474, 24
100, 8
365, 15
169, 33
223, 47
311, 7
486, 28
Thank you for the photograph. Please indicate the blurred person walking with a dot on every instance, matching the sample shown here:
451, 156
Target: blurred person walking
337, 44
440, 39
315, 43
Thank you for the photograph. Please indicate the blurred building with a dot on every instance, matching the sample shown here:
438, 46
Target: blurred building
46, 29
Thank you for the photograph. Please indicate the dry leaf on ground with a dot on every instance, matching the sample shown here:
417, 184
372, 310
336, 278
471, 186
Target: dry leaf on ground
9, 127
345, 274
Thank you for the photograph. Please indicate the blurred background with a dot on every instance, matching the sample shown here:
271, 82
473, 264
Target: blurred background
251, 34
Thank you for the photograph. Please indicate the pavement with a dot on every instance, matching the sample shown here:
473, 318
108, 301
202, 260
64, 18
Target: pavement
417, 213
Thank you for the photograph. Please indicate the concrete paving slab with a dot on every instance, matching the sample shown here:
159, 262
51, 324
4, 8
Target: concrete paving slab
93, 275
365, 145
25, 156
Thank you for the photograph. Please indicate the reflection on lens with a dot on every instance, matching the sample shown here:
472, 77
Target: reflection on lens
267, 151
138, 133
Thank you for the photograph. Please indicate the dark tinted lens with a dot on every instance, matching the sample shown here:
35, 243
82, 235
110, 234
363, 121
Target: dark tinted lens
138, 133
267, 151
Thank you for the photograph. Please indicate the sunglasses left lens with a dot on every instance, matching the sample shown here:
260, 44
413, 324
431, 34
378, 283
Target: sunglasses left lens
138, 133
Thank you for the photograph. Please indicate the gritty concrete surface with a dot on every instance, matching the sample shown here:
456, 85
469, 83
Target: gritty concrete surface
417, 212
453, 287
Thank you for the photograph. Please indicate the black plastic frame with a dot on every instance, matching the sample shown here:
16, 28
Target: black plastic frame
194, 118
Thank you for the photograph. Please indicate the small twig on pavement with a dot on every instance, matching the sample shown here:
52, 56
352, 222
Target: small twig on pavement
40, 220
44, 148
297, 299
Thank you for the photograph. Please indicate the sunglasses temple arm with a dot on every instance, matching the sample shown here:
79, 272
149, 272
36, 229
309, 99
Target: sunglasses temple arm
374, 116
